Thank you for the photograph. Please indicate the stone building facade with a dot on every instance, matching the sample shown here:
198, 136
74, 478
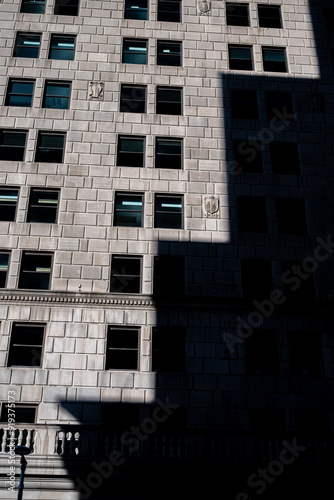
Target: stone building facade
166, 212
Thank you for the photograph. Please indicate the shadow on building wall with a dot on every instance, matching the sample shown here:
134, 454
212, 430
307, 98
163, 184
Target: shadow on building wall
249, 413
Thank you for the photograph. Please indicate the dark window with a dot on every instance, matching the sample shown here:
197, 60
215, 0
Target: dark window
8, 203
12, 144
298, 283
134, 51
329, 16
244, 104
136, 9
62, 47
26, 345
169, 10
248, 156
125, 274
20, 92
291, 216
33, 6
27, 45
256, 279
133, 99
315, 423
169, 276
284, 158
122, 349
252, 214
169, 53
128, 209
305, 353
267, 422
168, 211
130, 151
21, 413
4, 261
168, 153
66, 7
168, 349
270, 16
280, 106
169, 100
43, 205
274, 59
262, 356
50, 147
240, 57
35, 271
57, 95
237, 14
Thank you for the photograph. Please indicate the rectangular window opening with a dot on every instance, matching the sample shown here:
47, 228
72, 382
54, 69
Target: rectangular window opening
122, 348
26, 345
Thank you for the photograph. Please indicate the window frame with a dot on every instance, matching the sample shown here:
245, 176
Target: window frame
56, 83
156, 212
179, 157
123, 328
10, 204
132, 102
233, 62
126, 48
230, 15
10, 93
32, 205
164, 263
122, 153
16, 412
38, 348
26, 254
161, 56
15, 148
176, 334
285, 148
62, 5
236, 111
125, 194
138, 9
246, 216
262, 18
40, 149
163, 107
285, 220
174, 16
55, 36
4, 273
34, 3
273, 66
18, 45
121, 277
287, 99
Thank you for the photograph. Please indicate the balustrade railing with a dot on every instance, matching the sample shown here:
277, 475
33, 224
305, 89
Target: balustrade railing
79, 441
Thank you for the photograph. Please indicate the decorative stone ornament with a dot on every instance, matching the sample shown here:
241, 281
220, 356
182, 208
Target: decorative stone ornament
204, 7
211, 207
96, 91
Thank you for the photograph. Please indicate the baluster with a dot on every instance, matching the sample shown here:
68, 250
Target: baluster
19, 439
4, 441
77, 443
28, 438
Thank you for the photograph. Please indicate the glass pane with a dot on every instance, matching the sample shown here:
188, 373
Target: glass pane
169, 147
28, 335
37, 263
25, 356
51, 141
169, 204
56, 102
126, 266
62, 48
126, 360
274, 55
13, 139
240, 53
133, 145
136, 9
33, 6
4, 258
123, 338
22, 87
169, 95
56, 89
8, 196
